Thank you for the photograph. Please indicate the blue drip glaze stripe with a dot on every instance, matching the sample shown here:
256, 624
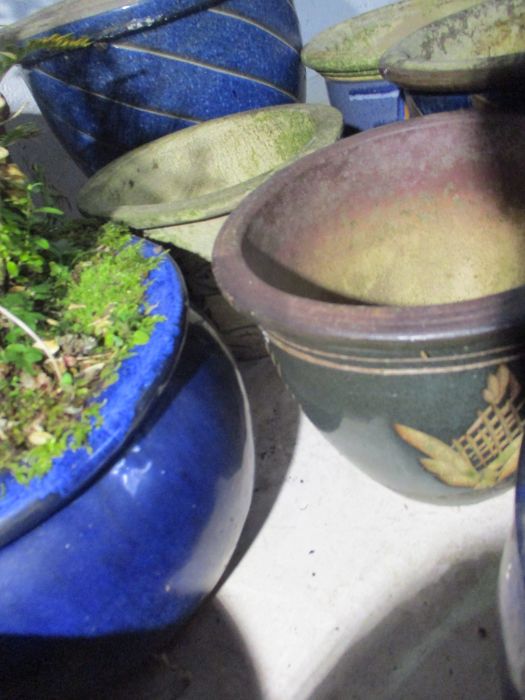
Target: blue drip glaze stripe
208, 66
249, 20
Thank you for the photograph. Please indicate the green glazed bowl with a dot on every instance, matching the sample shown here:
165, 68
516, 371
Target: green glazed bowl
480, 48
387, 273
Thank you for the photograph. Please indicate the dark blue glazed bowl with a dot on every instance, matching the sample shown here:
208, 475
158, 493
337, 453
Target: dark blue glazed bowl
158, 66
366, 104
146, 532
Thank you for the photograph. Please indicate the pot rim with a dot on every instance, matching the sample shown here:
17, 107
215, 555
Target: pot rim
296, 316
141, 377
98, 20
328, 125
354, 47
402, 65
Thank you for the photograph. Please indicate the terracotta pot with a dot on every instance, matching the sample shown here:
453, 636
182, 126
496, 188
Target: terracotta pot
157, 66
347, 56
386, 272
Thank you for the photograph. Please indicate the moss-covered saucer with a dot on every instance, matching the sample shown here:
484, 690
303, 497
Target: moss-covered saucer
479, 48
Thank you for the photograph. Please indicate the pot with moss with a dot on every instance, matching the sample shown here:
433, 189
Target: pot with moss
477, 54
347, 56
126, 448
156, 66
180, 189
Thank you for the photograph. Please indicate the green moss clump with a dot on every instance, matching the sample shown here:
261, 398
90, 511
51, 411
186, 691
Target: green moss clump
80, 287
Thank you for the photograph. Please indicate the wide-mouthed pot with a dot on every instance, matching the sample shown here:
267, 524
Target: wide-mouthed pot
477, 53
347, 56
156, 66
387, 272
124, 538
180, 189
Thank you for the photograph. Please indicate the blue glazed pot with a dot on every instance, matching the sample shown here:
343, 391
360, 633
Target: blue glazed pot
158, 66
366, 104
143, 533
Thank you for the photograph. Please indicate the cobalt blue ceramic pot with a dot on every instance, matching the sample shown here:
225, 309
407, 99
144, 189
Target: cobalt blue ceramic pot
156, 66
130, 537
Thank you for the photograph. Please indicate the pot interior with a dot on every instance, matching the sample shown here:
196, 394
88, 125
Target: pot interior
421, 213
205, 170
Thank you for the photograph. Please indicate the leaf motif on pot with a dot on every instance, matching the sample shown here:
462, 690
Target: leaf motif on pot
487, 453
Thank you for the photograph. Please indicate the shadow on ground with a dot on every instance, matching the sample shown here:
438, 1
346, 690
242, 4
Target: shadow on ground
443, 643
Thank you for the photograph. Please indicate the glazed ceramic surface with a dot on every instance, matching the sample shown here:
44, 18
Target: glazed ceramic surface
387, 273
141, 541
511, 593
348, 54
158, 66
204, 172
479, 48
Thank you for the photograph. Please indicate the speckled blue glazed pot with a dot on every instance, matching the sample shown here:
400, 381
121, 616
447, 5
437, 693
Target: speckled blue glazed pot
129, 539
511, 592
386, 272
158, 66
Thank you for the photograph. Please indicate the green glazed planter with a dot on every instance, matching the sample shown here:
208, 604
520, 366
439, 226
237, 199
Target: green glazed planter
480, 48
347, 56
180, 189
387, 273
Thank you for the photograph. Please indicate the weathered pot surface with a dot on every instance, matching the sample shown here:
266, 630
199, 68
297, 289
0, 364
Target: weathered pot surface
478, 48
204, 172
387, 272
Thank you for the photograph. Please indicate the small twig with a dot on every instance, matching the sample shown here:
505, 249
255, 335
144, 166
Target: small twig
39, 343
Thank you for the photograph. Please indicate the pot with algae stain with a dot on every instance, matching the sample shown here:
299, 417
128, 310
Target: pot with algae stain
180, 189
347, 55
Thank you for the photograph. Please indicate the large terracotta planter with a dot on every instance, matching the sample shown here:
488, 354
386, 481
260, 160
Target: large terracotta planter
157, 66
347, 55
128, 538
180, 189
478, 50
387, 271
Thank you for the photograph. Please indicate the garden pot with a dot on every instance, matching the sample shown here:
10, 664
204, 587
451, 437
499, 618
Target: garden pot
480, 49
386, 272
347, 56
156, 66
128, 538
180, 189
511, 596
